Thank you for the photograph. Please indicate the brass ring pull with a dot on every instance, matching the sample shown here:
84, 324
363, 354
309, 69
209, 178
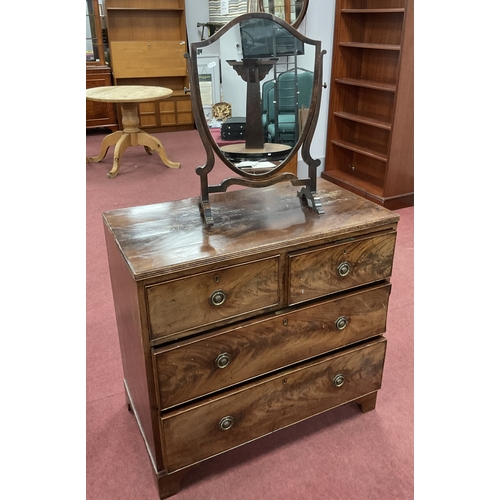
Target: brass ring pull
339, 380
218, 297
341, 323
223, 360
226, 423
344, 269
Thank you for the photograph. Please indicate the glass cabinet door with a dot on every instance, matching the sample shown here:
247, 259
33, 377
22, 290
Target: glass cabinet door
288, 10
95, 22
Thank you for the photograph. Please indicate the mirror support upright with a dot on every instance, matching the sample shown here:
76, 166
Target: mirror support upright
252, 71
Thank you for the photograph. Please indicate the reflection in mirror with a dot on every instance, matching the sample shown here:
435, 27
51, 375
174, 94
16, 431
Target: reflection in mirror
290, 11
268, 75
287, 10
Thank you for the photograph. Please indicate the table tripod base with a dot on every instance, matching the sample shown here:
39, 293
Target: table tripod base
122, 139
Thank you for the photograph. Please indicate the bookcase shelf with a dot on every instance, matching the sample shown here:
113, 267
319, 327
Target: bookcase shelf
369, 84
369, 146
373, 11
374, 46
364, 147
373, 120
356, 181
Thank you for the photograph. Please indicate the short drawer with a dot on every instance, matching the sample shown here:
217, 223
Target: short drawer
318, 272
218, 360
203, 430
202, 300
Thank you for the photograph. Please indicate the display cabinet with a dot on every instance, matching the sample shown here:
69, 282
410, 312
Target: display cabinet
369, 146
147, 40
98, 72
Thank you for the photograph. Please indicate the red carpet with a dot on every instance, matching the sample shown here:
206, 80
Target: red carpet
340, 455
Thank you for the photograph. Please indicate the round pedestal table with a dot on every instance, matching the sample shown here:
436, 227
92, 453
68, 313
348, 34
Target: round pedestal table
129, 97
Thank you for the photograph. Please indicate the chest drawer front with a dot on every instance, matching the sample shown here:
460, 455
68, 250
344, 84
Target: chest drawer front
202, 300
220, 360
319, 272
201, 431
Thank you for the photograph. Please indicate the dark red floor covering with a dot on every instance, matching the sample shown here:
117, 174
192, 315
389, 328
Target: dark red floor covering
339, 455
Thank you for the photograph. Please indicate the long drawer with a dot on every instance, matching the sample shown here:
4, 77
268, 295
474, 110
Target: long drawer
202, 300
320, 271
203, 430
218, 360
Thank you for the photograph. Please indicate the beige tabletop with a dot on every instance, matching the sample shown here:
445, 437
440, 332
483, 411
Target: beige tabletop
128, 93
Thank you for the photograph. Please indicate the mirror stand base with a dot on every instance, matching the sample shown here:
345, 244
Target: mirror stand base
308, 198
206, 211
311, 198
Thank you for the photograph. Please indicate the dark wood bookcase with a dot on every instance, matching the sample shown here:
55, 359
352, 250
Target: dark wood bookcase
370, 125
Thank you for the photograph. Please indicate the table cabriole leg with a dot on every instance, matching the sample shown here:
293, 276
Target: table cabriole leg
107, 142
120, 147
148, 141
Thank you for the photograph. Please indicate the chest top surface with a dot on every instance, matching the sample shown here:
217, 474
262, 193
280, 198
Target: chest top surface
171, 236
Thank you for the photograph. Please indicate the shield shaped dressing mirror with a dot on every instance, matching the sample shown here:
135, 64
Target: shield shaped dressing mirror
271, 75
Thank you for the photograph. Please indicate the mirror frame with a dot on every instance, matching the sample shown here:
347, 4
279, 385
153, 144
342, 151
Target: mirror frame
298, 21
303, 11
308, 192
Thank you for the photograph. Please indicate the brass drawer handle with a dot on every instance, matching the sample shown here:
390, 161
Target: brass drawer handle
344, 269
341, 323
339, 380
226, 423
218, 297
223, 360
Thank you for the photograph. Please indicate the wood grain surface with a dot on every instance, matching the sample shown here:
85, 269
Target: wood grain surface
315, 272
168, 237
188, 370
193, 434
178, 305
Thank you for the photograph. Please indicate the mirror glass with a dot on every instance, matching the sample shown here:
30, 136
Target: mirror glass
255, 82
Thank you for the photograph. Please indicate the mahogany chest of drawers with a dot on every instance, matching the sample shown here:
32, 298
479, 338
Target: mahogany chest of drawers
272, 315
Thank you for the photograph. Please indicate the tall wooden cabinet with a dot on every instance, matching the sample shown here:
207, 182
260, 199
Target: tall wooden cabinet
147, 41
370, 126
98, 72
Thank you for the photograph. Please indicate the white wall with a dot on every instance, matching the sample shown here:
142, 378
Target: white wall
233, 87
196, 12
317, 24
